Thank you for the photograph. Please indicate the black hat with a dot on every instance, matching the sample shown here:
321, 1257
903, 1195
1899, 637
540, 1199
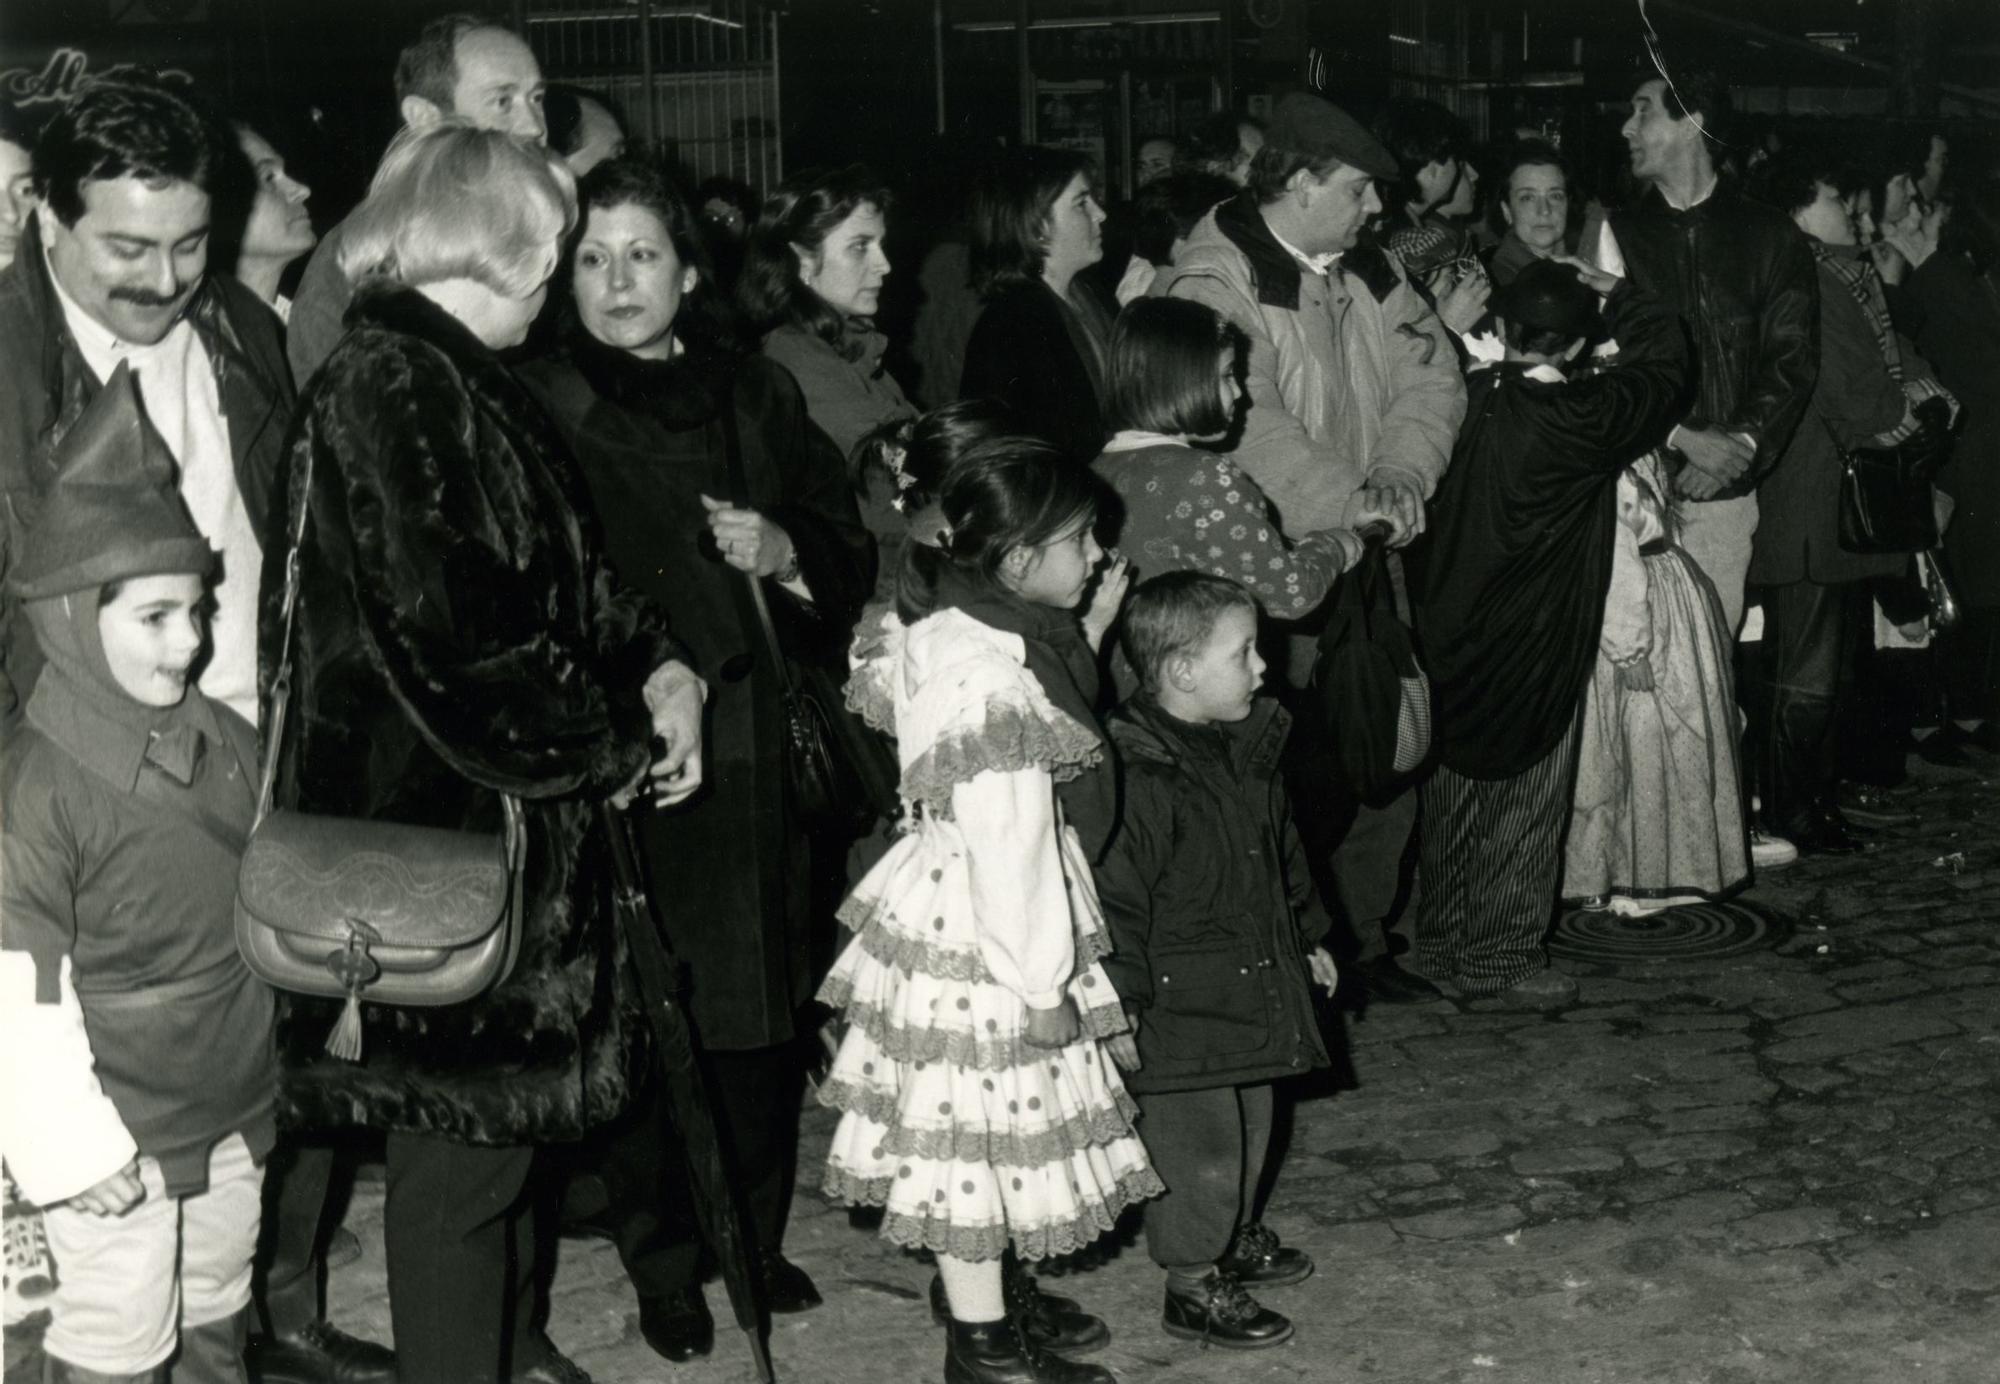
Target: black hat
1314, 126
1549, 297
115, 510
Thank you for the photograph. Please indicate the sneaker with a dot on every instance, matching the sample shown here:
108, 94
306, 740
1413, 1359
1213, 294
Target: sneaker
1218, 1312
1258, 1259
1768, 852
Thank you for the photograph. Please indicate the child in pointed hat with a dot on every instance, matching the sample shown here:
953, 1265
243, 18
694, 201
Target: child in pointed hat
135, 1046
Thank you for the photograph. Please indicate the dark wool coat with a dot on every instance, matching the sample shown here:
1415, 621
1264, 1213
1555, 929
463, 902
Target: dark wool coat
1511, 577
1954, 315
1798, 504
728, 870
44, 385
1210, 904
1028, 352
459, 637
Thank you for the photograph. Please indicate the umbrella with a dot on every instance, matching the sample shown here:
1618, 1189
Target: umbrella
716, 1199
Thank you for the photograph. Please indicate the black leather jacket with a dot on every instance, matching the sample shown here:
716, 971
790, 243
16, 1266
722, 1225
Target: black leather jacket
1742, 277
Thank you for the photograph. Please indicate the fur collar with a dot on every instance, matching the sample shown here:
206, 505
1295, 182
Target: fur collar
680, 393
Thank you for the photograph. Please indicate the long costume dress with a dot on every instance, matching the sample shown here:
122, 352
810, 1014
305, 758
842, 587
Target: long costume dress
984, 906
1658, 812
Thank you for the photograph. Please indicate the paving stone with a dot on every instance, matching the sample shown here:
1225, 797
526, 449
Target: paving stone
1462, 1222
1584, 1158
1689, 1148
1819, 1037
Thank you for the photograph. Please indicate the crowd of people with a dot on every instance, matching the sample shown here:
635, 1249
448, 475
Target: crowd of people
1357, 570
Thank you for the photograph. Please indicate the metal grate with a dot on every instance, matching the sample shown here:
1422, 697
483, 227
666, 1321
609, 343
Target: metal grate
698, 81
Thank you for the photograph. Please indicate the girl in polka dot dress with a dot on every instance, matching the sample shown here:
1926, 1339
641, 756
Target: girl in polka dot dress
978, 1108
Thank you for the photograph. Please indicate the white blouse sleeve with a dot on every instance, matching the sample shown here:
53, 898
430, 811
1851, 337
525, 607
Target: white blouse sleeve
1019, 899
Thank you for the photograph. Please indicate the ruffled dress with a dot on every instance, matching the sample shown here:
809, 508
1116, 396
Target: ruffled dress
966, 1135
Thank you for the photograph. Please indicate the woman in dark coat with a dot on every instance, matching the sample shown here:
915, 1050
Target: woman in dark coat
1814, 593
650, 399
458, 638
1040, 345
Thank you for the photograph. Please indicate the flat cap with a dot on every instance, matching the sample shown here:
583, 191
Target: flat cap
1314, 126
1549, 297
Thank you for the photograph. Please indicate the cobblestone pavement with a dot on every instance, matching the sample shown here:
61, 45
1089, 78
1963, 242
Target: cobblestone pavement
1775, 1167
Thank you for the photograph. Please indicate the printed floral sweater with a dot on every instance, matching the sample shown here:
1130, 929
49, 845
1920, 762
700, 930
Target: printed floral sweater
1185, 508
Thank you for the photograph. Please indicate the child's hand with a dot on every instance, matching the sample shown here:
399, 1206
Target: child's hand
1324, 973
115, 1195
1124, 1047
1053, 1028
1112, 585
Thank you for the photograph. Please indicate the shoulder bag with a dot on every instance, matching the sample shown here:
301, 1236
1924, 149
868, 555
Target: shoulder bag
345, 907
1885, 492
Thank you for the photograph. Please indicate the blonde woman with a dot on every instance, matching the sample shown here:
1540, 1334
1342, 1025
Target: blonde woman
458, 637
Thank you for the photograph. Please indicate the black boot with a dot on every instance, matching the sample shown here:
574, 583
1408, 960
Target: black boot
1048, 1320
1258, 1260
1217, 1312
996, 1353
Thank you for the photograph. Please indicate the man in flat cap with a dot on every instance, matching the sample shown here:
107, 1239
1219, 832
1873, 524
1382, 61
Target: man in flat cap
1511, 586
1355, 396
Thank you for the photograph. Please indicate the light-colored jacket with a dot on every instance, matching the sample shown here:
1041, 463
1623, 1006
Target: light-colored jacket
1352, 377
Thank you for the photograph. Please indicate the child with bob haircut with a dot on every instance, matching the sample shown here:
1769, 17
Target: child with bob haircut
977, 1105
1216, 935
1175, 386
139, 1067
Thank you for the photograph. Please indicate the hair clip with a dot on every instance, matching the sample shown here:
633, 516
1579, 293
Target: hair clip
893, 455
944, 535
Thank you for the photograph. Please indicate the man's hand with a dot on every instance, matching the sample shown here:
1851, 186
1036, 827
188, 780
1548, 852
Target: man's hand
1465, 302
674, 695
1722, 457
1053, 1028
1399, 496
1693, 483
115, 1195
1325, 974
1595, 279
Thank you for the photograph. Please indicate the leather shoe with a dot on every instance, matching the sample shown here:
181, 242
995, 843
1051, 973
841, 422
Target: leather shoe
319, 1354
677, 1326
787, 1288
998, 1353
1388, 983
553, 1368
1545, 989
1049, 1320
1260, 1261
1822, 832
1220, 1313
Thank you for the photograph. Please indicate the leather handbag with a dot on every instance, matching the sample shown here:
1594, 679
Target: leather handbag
1885, 492
381, 912
825, 788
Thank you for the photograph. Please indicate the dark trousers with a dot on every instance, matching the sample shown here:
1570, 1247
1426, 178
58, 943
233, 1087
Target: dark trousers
1491, 864
1971, 656
1208, 1147
649, 1206
291, 1271
1802, 669
461, 1259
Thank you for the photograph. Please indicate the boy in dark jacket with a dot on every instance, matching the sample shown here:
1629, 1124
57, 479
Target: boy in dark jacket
136, 1047
1216, 934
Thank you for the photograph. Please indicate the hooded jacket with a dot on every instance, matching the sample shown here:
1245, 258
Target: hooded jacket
1209, 902
1351, 373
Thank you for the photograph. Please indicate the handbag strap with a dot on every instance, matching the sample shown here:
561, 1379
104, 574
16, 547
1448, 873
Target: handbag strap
739, 485
514, 831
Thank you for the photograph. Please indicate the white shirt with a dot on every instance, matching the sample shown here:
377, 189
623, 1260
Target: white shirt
1312, 264
184, 404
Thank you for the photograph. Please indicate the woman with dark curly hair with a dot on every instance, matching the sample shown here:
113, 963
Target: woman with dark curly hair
1040, 344
707, 478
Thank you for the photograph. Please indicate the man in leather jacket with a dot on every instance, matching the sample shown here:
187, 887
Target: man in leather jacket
1742, 277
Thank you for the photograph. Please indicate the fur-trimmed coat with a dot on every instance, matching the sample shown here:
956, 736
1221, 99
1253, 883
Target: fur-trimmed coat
459, 636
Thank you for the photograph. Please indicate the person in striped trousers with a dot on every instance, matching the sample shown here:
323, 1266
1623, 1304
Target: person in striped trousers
1511, 584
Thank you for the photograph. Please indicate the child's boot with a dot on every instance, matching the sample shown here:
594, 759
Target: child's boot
1049, 1320
1217, 1312
1258, 1260
998, 1353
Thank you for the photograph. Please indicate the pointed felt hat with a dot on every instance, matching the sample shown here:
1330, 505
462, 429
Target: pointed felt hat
115, 511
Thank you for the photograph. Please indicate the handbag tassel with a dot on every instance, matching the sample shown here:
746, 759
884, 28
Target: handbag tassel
345, 1040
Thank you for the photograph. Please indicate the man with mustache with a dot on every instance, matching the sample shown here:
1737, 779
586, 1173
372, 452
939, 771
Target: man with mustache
460, 65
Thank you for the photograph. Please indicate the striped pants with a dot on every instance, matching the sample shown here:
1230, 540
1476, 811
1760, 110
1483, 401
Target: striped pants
1490, 863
